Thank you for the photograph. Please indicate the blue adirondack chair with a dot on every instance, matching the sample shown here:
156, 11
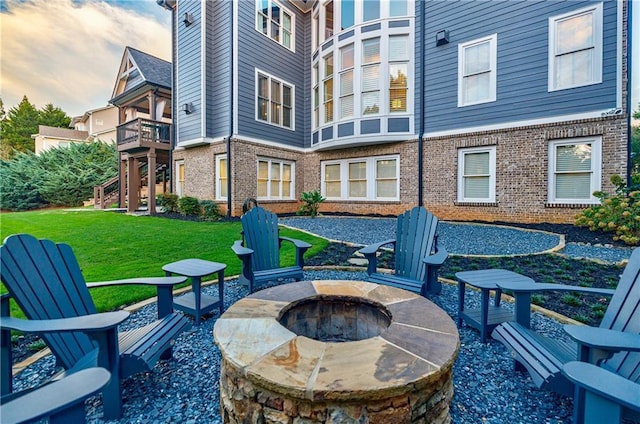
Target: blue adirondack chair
614, 346
417, 256
45, 280
259, 250
61, 402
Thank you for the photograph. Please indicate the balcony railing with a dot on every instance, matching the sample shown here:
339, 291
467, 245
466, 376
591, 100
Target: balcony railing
144, 133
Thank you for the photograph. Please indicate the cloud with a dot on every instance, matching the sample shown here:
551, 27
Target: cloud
68, 53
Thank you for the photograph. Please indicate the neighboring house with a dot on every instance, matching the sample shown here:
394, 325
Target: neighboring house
50, 137
487, 110
100, 123
142, 95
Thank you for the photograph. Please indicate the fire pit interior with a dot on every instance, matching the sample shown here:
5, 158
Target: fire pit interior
336, 352
336, 319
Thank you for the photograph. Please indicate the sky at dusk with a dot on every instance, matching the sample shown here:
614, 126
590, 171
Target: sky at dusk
67, 52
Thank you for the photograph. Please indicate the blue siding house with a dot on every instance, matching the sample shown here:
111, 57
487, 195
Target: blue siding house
487, 110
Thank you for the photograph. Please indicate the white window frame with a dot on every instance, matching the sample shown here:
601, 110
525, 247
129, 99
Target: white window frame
596, 66
372, 179
258, 27
491, 198
282, 83
493, 68
179, 184
219, 182
281, 195
596, 169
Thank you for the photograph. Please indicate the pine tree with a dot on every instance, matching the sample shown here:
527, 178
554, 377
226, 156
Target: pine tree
17, 127
53, 116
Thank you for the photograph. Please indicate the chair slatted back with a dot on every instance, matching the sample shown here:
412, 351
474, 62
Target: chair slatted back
623, 314
260, 230
415, 239
46, 282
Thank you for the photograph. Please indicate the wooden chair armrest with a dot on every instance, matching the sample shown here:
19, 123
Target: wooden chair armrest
151, 281
86, 323
240, 250
600, 343
298, 243
373, 248
604, 383
56, 397
437, 258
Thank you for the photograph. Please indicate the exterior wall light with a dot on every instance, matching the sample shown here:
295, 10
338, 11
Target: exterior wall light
442, 37
187, 19
187, 108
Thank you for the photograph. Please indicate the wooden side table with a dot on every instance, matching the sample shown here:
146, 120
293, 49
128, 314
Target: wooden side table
487, 317
194, 302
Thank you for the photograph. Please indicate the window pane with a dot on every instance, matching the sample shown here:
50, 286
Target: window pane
574, 68
346, 106
575, 33
275, 13
223, 188
573, 186
286, 39
263, 170
286, 189
398, 48
328, 25
370, 103
476, 187
371, 50
386, 188
222, 171
357, 170
262, 188
370, 77
332, 172
286, 172
286, 95
263, 23
398, 88
286, 21
347, 15
370, 10
386, 168
397, 7
328, 66
346, 83
357, 188
346, 57
263, 90
263, 106
477, 58
476, 163
286, 117
476, 87
573, 158
275, 171
332, 189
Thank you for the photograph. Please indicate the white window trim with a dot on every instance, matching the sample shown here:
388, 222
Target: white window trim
371, 178
268, 34
293, 100
493, 63
270, 161
596, 9
219, 158
492, 174
596, 169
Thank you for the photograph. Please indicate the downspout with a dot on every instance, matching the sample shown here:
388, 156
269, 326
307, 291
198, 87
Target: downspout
422, 103
629, 87
174, 62
229, 214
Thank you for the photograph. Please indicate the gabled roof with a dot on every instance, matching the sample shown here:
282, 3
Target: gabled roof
139, 69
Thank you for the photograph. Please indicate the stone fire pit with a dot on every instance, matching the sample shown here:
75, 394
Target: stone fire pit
336, 352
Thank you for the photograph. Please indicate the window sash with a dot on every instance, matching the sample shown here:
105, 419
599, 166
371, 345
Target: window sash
477, 71
275, 179
373, 178
370, 10
274, 101
221, 177
275, 22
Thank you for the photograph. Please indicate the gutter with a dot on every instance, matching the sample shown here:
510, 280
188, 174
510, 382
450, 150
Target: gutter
228, 141
629, 87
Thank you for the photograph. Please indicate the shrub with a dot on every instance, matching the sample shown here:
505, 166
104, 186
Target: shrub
210, 211
619, 213
189, 206
311, 203
20, 178
169, 201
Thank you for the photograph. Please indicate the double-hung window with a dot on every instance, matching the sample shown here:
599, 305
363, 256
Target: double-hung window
346, 81
477, 174
180, 171
275, 179
477, 69
316, 96
328, 20
274, 101
575, 48
371, 178
328, 89
370, 76
275, 22
221, 177
398, 73
574, 170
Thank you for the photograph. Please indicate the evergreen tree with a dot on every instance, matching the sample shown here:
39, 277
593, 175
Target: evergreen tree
53, 116
17, 127
635, 146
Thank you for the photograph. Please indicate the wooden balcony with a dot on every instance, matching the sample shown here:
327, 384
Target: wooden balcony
144, 134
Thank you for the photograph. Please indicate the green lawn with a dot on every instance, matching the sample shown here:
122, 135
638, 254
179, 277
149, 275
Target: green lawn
112, 245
